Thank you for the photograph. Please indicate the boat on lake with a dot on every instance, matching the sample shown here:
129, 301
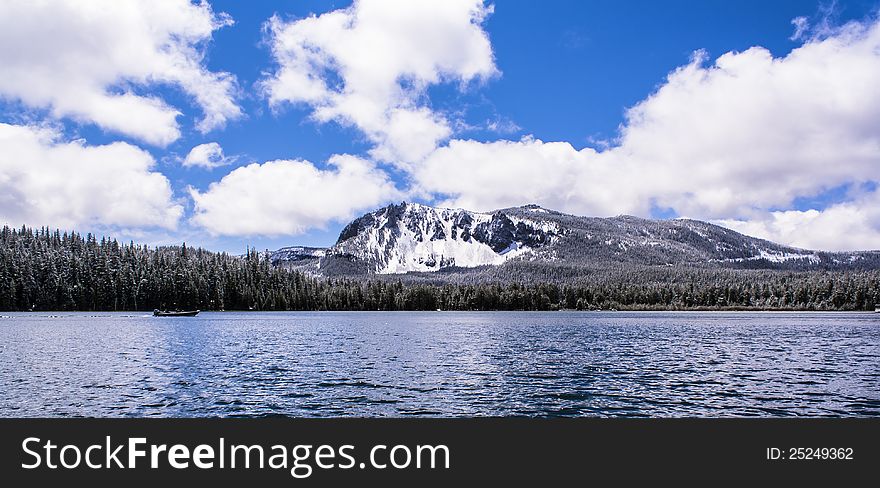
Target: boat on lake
175, 313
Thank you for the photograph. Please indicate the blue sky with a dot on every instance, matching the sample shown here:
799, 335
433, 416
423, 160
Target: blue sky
557, 84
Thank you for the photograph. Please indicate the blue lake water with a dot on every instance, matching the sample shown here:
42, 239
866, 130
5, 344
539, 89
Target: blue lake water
440, 364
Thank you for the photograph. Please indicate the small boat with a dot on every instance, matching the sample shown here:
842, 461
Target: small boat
175, 313
876, 308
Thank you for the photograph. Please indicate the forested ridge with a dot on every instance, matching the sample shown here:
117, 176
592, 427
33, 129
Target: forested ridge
52, 270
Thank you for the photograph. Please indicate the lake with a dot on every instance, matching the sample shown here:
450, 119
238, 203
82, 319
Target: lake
440, 364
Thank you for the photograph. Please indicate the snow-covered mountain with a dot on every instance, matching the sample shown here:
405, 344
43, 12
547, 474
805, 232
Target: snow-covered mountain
410, 237
413, 237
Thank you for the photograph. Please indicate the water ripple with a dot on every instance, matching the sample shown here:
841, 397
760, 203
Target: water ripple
450, 364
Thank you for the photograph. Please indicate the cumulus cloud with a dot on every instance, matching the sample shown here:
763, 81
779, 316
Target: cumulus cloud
369, 66
290, 197
208, 155
47, 181
753, 131
724, 141
848, 226
93, 60
487, 176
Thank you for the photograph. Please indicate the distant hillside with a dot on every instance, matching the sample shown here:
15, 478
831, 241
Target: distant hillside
530, 241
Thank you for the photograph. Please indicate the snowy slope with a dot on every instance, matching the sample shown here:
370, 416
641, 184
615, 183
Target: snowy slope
297, 253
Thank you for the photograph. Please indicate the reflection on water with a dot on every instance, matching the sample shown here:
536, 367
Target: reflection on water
440, 364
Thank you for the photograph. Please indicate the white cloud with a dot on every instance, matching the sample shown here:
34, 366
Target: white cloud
369, 66
801, 27
47, 181
502, 125
94, 60
848, 226
487, 176
755, 132
208, 155
723, 141
290, 197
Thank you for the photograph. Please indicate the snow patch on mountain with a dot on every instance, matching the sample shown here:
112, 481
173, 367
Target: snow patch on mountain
778, 257
414, 254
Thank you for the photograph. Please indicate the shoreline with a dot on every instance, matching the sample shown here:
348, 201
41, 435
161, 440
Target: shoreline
688, 310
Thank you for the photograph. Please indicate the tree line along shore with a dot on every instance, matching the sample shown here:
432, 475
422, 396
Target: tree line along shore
43, 269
